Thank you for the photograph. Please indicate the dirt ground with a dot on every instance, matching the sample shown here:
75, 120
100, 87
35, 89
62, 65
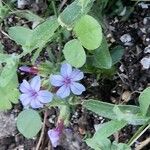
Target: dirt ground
124, 87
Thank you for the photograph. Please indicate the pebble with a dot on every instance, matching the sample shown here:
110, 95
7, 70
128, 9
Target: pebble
126, 39
147, 49
146, 20
145, 62
22, 3
143, 5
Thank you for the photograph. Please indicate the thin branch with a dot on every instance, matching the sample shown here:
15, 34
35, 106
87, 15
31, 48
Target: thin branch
62, 4
143, 144
42, 132
139, 135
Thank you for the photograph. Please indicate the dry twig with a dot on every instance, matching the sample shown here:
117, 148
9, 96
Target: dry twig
143, 144
42, 132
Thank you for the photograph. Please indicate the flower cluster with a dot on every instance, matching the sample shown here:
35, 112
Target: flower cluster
33, 96
67, 81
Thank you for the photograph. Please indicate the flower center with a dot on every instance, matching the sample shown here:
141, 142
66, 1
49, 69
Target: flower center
34, 94
67, 80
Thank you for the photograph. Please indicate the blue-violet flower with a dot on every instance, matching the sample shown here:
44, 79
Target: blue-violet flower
32, 95
55, 134
67, 81
32, 70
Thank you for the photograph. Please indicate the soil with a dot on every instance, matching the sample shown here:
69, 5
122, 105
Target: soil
130, 79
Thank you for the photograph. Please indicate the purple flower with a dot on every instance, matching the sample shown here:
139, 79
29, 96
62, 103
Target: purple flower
32, 95
55, 134
67, 81
32, 70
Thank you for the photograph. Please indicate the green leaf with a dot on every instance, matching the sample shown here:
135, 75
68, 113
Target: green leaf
29, 123
89, 32
3, 11
107, 129
29, 15
1, 48
9, 93
44, 32
21, 36
74, 53
102, 58
8, 72
32, 39
73, 13
120, 146
107, 110
4, 57
96, 144
131, 118
116, 54
144, 100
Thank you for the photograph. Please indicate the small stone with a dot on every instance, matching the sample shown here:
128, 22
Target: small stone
147, 49
143, 5
145, 62
146, 20
126, 96
22, 3
95, 83
121, 68
126, 39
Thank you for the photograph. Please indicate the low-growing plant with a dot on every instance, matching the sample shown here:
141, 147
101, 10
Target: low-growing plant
55, 82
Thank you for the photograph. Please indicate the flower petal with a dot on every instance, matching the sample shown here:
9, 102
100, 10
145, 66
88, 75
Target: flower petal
76, 75
77, 88
45, 96
66, 70
25, 99
54, 136
25, 68
56, 80
35, 103
25, 87
36, 83
63, 91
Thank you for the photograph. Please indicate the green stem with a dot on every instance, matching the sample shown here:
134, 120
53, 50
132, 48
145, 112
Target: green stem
139, 133
54, 8
60, 38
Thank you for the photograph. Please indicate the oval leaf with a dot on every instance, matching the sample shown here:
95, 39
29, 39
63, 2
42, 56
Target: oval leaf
74, 53
29, 123
144, 101
102, 58
89, 32
107, 110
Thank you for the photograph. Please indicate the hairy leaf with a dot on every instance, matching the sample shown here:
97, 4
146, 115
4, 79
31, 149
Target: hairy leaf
73, 13
107, 110
29, 123
144, 100
89, 32
102, 58
74, 53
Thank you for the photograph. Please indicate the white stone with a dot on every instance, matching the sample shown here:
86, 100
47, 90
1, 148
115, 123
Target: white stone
21, 3
143, 5
145, 62
126, 38
147, 49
